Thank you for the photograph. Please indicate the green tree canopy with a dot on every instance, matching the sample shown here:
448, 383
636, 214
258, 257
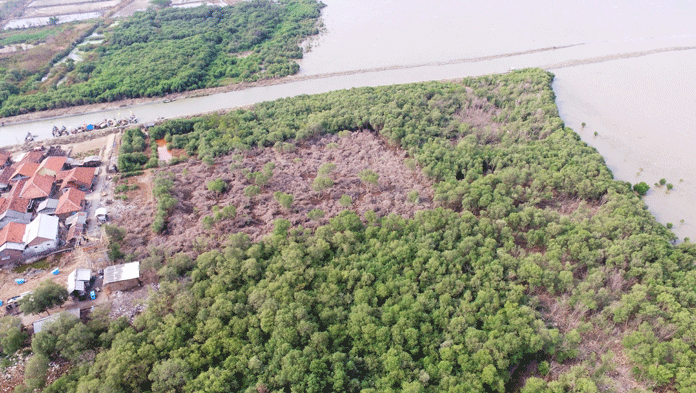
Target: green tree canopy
46, 296
12, 335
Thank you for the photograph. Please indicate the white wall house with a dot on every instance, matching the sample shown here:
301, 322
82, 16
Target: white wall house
41, 234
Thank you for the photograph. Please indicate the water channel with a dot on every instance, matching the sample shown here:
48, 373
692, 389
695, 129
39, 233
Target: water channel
623, 68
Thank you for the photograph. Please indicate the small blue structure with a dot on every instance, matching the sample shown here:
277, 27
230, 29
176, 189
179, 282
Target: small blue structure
55, 271
90, 127
0, 302
19, 281
92, 295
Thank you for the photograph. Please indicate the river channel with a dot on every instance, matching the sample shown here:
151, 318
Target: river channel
623, 68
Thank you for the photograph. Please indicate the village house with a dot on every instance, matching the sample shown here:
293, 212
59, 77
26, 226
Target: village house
122, 277
24, 171
51, 165
72, 201
41, 234
75, 232
35, 156
91, 161
47, 206
5, 175
80, 178
11, 243
78, 280
77, 218
37, 188
14, 209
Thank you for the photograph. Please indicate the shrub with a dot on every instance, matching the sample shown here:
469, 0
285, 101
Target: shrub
316, 214
369, 176
345, 200
663, 181
413, 196
115, 234
218, 186
283, 199
252, 191
321, 183
327, 168
208, 222
641, 188
114, 253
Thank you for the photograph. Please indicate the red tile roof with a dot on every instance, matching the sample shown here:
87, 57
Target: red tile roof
12, 232
26, 169
38, 186
17, 187
80, 176
32, 156
74, 231
4, 156
53, 164
70, 201
6, 174
18, 204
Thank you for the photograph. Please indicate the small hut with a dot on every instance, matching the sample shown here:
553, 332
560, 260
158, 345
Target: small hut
122, 277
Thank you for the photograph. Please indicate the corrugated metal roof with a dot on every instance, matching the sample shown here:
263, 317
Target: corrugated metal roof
79, 217
49, 203
126, 271
78, 278
43, 226
40, 324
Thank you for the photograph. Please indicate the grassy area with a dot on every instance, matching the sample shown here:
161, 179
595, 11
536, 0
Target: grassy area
30, 36
40, 264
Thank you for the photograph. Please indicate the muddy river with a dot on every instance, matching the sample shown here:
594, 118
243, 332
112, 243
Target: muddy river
621, 67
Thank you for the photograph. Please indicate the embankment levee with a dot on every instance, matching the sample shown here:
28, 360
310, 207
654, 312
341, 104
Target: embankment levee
65, 140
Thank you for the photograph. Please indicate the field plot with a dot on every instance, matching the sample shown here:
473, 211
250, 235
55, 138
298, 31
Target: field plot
45, 20
41, 12
51, 3
72, 8
132, 7
196, 3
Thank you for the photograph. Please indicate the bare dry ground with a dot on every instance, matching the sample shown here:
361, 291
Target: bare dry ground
294, 174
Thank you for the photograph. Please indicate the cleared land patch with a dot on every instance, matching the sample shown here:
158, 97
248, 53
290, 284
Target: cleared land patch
295, 174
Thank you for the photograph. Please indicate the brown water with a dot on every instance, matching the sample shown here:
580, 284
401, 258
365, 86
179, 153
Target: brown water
621, 67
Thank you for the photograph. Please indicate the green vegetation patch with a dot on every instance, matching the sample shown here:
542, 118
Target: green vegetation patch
157, 52
535, 258
40, 264
29, 36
